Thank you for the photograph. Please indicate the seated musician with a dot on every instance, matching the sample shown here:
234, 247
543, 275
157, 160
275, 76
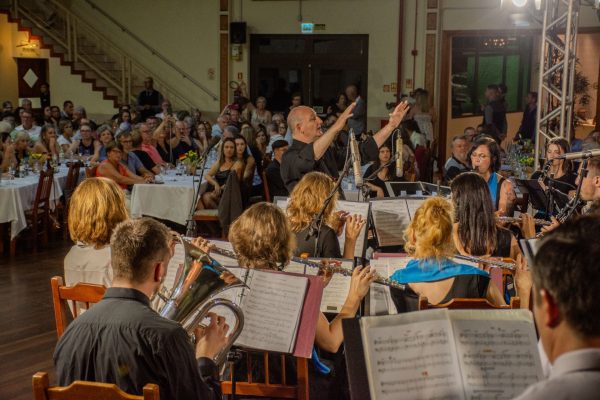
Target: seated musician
476, 231
262, 238
112, 168
485, 160
306, 200
386, 174
560, 170
95, 209
432, 273
121, 340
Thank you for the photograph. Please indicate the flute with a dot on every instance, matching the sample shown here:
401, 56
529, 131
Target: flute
327, 267
537, 221
496, 263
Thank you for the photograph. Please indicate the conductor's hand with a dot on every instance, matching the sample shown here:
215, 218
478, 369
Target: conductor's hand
354, 224
360, 282
341, 121
398, 114
211, 339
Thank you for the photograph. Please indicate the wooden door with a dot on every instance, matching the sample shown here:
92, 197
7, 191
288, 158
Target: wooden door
32, 72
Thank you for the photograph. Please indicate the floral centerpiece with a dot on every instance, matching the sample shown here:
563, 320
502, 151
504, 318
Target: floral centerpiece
190, 160
36, 161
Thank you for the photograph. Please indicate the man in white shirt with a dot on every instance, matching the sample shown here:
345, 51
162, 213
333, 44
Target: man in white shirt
28, 126
566, 283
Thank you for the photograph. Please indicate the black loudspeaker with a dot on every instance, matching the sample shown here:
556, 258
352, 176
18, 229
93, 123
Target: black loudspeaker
237, 32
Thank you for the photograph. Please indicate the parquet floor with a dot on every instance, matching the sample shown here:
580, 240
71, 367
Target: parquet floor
27, 330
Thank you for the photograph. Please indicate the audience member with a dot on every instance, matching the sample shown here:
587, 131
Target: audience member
339, 105
47, 145
273, 132
147, 145
469, 134
494, 113
141, 154
217, 176
296, 102
358, 121
183, 142
273, 170
7, 106
423, 115
149, 100
44, 95
27, 125
105, 136
458, 162
112, 168
217, 129
130, 159
87, 146
527, 128
260, 114
67, 111
165, 110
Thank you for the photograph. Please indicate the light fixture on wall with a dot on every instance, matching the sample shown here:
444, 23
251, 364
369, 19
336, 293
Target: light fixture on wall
29, 45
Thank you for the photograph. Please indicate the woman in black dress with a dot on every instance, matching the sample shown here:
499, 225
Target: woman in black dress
306, 201
386, 174
218, 174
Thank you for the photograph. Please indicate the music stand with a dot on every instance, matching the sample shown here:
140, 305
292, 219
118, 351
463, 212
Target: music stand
405, 188
537, 196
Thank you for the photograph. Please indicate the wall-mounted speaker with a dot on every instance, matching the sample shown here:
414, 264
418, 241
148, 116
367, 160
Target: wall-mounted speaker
237, 32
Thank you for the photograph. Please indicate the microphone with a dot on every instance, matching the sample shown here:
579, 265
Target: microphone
214, 141
355, 160
579, 154
399, 148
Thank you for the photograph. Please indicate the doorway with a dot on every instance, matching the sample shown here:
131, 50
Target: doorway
318, 67
32, 73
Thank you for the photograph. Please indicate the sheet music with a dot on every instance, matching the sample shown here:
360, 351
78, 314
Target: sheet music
411, 356
391, 217
380, 299
177, 261
413, 205
272, 311
497, 351
361, 209
336, 292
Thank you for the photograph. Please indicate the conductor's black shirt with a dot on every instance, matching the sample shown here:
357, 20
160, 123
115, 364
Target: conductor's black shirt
299, 160
121, 340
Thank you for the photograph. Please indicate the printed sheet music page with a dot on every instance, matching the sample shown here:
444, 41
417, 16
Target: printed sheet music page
411, 356
391, 217
498, 352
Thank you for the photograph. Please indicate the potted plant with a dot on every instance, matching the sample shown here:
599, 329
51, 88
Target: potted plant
190, 160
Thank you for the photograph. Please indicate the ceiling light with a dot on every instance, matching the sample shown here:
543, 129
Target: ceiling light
519, 3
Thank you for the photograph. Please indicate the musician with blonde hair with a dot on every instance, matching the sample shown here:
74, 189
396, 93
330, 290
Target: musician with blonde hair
306, 200
433, 273
95, 209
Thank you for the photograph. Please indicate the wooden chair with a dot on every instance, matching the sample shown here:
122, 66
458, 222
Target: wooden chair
87, 390
72, 181
90, 172
38, 218
210, 216
461, 303
281, 390
266, 186
80, 295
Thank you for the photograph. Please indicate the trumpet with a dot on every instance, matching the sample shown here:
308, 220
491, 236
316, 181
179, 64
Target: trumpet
328, 266
197, 285
511, 220
496, 263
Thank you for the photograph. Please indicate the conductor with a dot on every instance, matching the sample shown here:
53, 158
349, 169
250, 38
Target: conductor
311, 150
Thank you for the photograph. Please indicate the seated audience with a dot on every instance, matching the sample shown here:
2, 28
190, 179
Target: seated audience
130, 159
485, 160
306, 200
137, 345
566, 282
28, 126
457, 163
7, 148
65, 140
105, 136
112, 168
242, 154
95, 209
432, 273
147, 143
217, 176
259, 114
21, 148
476, 231
386, 174
47, 145
219, 127
470, 133
87, 146
273, 170
273, 133
143, 156
183, 142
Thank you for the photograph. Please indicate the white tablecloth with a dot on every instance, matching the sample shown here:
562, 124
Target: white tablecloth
17, 196
171, 201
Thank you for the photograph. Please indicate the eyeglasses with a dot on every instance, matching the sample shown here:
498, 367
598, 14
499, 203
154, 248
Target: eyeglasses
481, 156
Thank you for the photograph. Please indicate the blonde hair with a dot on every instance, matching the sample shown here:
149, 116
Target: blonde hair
308, 197
429, 234
262, 237
96, 208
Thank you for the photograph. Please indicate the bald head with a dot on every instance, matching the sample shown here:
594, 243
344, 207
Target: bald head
304, 123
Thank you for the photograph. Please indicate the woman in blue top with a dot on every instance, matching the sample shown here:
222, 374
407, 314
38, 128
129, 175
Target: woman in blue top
433, 273
105, 136
485, 160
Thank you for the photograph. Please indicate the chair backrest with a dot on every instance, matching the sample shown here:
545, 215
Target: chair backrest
266, 186
87, 390
281, 390
90, 172
72, 180
461, 303
42, 194
81, 295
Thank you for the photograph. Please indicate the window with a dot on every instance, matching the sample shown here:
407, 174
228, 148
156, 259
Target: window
480, 61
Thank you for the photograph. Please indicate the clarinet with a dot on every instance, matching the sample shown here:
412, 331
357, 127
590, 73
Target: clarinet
331, 268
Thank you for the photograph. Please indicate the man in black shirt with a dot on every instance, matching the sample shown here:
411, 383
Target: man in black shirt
457, 163
149, 100
527, 129
311, 150
136, 142
273, 171
121, 340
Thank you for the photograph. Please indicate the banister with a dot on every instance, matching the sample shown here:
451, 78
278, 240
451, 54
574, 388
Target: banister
152, 50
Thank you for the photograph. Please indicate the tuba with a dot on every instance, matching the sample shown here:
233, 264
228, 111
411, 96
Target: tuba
198, 283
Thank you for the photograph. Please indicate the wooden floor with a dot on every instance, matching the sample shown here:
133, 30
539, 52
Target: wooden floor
27, 330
